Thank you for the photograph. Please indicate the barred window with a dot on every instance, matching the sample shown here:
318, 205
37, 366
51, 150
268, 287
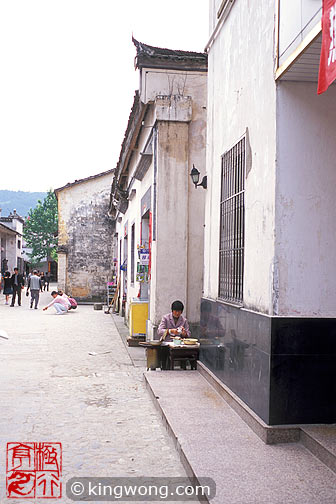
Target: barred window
231, 248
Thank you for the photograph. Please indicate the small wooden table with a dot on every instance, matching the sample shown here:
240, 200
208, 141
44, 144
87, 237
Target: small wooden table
183, 353
164, 356
153, 355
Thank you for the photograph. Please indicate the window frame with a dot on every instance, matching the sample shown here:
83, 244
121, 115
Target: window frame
232, 224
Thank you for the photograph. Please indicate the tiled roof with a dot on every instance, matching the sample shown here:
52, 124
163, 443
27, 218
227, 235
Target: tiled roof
157, 56
150, 57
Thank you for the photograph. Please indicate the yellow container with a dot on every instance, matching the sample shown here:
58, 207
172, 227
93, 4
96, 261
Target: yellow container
138, 317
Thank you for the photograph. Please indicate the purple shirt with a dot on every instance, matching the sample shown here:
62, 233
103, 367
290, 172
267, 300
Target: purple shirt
168, 322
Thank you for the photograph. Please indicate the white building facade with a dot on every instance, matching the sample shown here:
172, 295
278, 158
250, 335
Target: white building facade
156, 207
11, 231
268, 310
85, 237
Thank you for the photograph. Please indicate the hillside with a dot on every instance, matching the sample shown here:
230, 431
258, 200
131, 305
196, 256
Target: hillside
21, 201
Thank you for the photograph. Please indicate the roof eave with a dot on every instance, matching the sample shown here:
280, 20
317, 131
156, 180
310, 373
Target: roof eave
158, 57
163, 63
131, 134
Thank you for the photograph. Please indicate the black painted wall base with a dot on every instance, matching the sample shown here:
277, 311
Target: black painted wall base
284, 369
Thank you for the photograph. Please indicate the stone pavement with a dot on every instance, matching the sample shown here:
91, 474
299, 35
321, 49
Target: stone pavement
215, 442
96, 406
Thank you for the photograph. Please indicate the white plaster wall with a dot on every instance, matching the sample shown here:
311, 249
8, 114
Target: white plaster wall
11, 252
193, 84
213, 8
80, 281
83, 192
306, 209
153, 285
196, 199
62, 271
133, 213
16, 224
191, 200
157, 82
133, 216
172, 217
241, 94
19, 254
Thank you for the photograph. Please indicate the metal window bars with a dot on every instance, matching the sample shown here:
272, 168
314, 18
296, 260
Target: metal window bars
232, 210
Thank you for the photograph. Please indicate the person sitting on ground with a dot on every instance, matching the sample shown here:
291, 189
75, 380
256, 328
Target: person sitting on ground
60, 304
174, 324
72, 301
62, 294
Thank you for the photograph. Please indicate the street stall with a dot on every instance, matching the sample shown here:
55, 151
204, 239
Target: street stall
164, 354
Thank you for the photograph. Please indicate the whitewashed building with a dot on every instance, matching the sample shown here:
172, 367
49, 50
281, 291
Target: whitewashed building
159, 214
85, 237
268, 312
11, 230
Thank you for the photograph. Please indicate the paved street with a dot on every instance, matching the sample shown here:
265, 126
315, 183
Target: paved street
96, 406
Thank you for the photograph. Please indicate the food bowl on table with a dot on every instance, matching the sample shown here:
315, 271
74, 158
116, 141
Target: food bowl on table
190, 341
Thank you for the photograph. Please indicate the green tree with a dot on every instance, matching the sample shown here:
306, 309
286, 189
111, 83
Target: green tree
40, 229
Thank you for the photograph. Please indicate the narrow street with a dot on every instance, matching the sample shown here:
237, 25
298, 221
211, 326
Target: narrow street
95, 405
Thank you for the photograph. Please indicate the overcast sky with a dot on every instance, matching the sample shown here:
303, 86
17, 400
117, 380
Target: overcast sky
68, 80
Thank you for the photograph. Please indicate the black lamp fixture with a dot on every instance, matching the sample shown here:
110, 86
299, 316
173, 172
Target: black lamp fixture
195, 175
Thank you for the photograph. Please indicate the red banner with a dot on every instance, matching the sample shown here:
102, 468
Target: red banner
327, 70
150, 245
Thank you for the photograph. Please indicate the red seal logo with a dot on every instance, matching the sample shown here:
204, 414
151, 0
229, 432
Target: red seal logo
34, 470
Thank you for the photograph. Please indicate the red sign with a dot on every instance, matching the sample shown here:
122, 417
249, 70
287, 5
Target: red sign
34, 470
150, 245
327, 70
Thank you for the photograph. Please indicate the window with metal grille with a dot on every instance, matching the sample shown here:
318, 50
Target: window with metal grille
231, 247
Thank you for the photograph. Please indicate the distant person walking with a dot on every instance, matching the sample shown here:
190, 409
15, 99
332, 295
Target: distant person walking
4, 266
17, 286
7, 287
60, 304
34, 284
47, 281
42, 277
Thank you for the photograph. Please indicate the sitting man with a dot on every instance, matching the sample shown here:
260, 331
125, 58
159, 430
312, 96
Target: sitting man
174, 324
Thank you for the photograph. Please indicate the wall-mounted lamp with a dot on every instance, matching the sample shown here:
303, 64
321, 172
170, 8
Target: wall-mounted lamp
195, 175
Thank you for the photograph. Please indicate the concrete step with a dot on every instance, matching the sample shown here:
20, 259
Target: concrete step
214, 441
321, 441
269, 434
